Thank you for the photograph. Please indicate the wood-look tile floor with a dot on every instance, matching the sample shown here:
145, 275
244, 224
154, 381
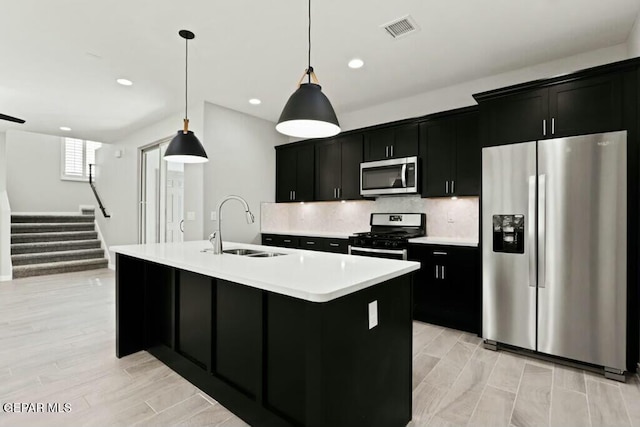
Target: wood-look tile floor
57, 345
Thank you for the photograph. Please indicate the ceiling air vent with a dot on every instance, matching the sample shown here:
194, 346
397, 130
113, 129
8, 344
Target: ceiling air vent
401, 27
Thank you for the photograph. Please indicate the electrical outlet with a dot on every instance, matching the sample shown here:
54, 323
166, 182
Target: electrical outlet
214, 216
373, 314
191, 216
450, 217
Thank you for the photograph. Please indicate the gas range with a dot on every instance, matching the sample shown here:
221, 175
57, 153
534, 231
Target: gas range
389, 235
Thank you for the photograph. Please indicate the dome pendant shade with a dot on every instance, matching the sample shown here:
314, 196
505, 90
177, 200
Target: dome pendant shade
308, 114
185, 148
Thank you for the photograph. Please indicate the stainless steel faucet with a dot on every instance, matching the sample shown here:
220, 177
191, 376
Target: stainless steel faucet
216, 237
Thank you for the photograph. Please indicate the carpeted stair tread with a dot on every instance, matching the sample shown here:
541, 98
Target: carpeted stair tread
58, 267
41, 227
47, 257
49, 218
24, 248
53, 237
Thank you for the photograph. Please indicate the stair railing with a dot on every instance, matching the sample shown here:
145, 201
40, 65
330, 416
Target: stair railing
95, 192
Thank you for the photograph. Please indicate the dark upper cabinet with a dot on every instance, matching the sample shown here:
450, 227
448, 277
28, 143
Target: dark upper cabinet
294, 173
391, 142
338, 168
451, 155
580, 106
586, 106
515, 118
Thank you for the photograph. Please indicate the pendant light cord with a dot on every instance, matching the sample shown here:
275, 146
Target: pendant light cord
309, 70
186, 73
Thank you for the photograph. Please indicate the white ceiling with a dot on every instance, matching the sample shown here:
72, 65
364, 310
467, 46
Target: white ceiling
60, 58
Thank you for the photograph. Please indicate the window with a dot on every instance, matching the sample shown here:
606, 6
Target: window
77, 155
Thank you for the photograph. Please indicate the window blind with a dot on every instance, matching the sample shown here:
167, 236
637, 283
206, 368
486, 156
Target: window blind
73, 157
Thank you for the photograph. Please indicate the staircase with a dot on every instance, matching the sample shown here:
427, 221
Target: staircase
54, 243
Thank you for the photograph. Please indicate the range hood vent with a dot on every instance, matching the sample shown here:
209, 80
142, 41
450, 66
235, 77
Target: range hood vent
401, 27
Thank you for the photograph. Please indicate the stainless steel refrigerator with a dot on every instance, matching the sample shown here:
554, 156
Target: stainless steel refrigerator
554, 247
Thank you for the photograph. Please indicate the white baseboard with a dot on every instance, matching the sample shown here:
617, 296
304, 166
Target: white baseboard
103, 244
111, 267
5, 278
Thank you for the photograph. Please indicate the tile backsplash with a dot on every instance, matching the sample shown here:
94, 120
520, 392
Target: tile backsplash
445, 217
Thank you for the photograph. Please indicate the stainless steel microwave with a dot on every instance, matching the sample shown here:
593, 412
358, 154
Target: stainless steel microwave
393, 176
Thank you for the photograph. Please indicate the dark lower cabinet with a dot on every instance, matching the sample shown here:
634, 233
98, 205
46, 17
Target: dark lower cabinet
195, 298
323, 244
446, 289
273, 360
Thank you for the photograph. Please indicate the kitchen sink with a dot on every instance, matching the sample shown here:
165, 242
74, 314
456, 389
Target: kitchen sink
243, 252
247, 252
265, 255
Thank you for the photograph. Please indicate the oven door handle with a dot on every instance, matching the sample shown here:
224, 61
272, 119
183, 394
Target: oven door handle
402, 252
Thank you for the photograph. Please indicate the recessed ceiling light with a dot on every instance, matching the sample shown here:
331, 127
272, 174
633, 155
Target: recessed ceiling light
356, 63
65, 128
255, 101
125, 82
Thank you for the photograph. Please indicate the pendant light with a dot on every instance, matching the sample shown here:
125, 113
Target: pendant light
185, 146
308, 112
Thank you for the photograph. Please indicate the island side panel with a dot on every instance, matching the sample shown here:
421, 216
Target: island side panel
130, 305
325, 367
195, 313
239, 337
376, 362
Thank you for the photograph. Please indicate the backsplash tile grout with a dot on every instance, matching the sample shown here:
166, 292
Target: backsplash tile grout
353, 216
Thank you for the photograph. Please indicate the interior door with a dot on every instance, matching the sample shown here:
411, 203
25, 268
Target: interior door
161, 196
582, 244
508, 244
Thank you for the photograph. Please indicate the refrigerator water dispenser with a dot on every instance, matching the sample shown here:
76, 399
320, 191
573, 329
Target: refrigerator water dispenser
508, 234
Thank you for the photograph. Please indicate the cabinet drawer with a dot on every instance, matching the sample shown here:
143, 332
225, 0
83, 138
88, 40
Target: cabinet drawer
312, 243
340, 246
281, 240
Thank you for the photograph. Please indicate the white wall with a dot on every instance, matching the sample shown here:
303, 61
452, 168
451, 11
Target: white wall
33, 176
241, 162
633, 42
117, 180
5, 214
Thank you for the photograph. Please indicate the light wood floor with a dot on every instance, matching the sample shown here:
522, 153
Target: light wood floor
57, 345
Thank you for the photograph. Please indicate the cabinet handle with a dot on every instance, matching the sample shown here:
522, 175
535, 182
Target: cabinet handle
453, 187
392, 151
334, 193
439, 253
290, 194
437, 272
294, 194
386, 151
339, 192
553, 125
446, 187
311, 243
544, 127
443, 272
268, 239
287, 240
335, 245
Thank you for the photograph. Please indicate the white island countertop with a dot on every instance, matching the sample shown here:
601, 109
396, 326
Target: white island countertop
308, 275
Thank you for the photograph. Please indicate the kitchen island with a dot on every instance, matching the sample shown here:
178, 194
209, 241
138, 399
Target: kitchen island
301, 339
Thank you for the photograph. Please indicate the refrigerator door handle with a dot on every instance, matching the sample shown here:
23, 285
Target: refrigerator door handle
532, 231
542, 225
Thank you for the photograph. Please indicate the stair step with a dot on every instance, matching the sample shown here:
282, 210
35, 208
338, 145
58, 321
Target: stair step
26, 248
51, 218
58, 267
47, 257
41, 227
53, 237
